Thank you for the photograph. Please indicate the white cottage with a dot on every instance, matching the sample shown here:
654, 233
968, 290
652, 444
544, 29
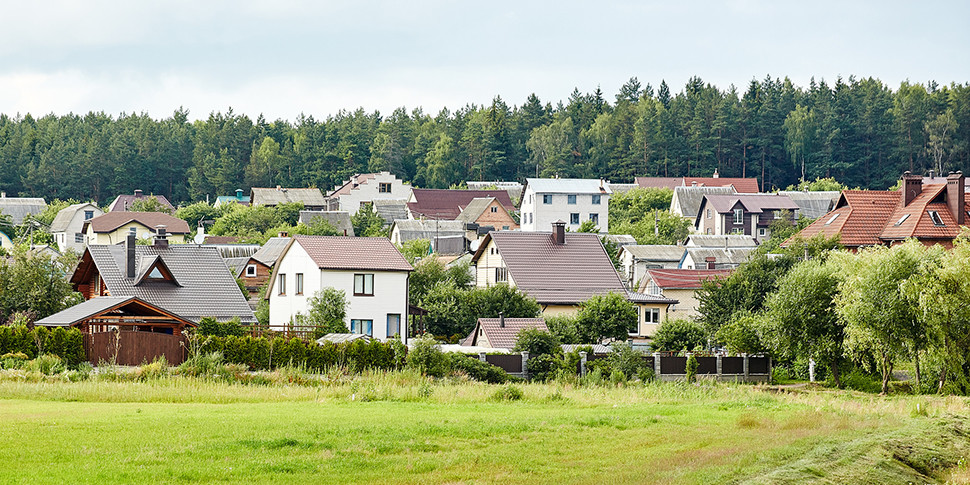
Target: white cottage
67, 227
370, 270
573, 201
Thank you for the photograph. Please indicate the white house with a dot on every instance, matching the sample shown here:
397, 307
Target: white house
370, 270
68, 224
365, 188
573, 201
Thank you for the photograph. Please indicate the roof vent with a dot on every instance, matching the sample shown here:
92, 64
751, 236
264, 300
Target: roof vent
161, 238
138, 193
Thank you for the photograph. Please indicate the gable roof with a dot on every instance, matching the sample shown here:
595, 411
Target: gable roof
340, 252
391, 209
655, 252
205, 285
475, 208
503, 337
410, 229
914, 219
447, 204
340, 220
111, 221
271, 251
568, 186
64, 216
682, 279
687, 200
721, 241
19, 208
732, 256
310, 197
660, 182
100, 306
124, 201
352, 183
756, 203
859, 217
812, 204
237, 264
742, 185
552, 273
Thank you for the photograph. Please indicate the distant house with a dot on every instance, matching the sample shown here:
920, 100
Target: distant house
931, 214
447, 237
687, 200
637, 259
488, 211
122, 203
256, 270
391, 209
513, 188
19, 208
239, 198
68, 225
741, 185
366, 188
114, 227
749, 214
447, 204
574, 201
501, 333
714, 258
370, 270
681, 285
727, 241
812, 204
311, 198
340, 220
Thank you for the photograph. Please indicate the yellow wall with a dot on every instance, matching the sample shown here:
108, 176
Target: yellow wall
119, 235
648, 329
687, 308
552, 310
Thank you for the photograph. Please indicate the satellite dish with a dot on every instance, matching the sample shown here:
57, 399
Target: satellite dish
475, 244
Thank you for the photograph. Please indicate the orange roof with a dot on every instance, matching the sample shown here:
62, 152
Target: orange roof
860, 216
915, 220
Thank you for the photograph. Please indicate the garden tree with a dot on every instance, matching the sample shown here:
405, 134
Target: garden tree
940, 132
326, 309
199, 211
744, 290
743, 334
657, 227
588, 226
47, 215
415, 250
677, 335
430, 272
35, 283
149, 204
537, 342
637, 204
606, 317
565, 328
828, 184
453, 311
801, 320
367, 223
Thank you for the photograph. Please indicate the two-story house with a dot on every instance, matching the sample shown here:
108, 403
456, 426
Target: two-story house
636, 259
448, 204
545, 201
370, 270
488, 211
749, 214
681, 285
114, 227
365, 188
68, 226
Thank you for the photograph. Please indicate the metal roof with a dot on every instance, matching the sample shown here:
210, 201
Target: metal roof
64, 216
271, 251
755, 203
569, 186
813, 204
447, 204
19, 207
655, 252
687, 200
311, 197
410, 229
83, 310
722, 241
111, 221
340, 220
667, 279
391, 209
732, 256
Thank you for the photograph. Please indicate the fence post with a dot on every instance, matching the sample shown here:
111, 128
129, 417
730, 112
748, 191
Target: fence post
745, 367
582, 364
656, 364
525, 364
481, 357
719, 366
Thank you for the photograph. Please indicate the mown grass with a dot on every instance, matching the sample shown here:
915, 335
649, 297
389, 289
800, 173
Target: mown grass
401, 428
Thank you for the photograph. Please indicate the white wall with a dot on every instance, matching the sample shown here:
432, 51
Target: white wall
538, 216
65, 240
485, 267
370, 191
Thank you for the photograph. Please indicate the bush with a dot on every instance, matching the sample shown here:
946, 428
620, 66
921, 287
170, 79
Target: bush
476, 369
13, 360
66, 343
210, 326
537, 342
676, 335
427, 358
507, 392
544, 367
565, 328
692, 366
626, 360
617, 378
47, 364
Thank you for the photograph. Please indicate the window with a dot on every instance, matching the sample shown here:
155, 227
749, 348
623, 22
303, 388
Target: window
505, 228
363, 285
501, 275
133, 230
78, 237
251, 271
494, 209
547, 199
708, 213
935, 217
762, 232
739, 216
571, 199
88, 215
365, 327
594, 218
574, 218
299, 283
902, 219
282, 284
651, 315
384, 188
836, 216
393, 324
596, 199
156, 274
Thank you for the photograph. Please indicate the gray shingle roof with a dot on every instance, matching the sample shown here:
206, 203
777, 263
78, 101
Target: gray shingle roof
568, 186
474, 209
813, 204
655, 252
271, 251
64, 216
340, 220
19, 207
411, 229
205, 287
85, 309
311, 197
391, 209
731, 256
237, 265
687, 200
722, 241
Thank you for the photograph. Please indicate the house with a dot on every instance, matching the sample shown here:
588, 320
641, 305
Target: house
686, 201
714, 258
932, 214
183, 279
812, 204
239, 198
391, 210
750, 214
68, 225
560, 270
114, 227
637, 259
124, 201
681, 285
488, 211
18, 208
513, 188
727, 241
5, 242
340, 220
447, 237
447, 204
501, 333
370, 270
741, 185
366, 188
257, 269
311, 198
575, 201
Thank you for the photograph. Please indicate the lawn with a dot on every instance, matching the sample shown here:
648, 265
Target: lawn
401, 428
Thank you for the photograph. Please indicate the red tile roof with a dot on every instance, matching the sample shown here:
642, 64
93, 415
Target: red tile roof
113, 220
918, 223
683, 278
341, 252
859, 217
447, 204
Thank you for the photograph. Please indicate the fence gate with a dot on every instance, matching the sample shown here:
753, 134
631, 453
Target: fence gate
133, 348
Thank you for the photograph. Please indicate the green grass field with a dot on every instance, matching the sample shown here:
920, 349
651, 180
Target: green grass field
401, 428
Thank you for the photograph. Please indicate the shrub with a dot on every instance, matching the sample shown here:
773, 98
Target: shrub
692, 366
202, 365
565, 328
47, 364
13, 360
537, 342
617, 378
507, 392
626, 360
544, 367
675, 335
210, 326
156, 370
476, 369
646, 374
427, 358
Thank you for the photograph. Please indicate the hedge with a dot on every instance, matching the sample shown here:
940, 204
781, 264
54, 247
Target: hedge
68, 344
260, 353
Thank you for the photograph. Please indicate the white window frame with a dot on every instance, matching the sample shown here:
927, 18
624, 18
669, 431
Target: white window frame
738, 217
250, 270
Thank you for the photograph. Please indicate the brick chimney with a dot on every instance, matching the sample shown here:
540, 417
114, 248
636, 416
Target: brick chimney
559, 232
956, 196
501, 319
711, 262
912, 187
138, 193
130, 255
161, 239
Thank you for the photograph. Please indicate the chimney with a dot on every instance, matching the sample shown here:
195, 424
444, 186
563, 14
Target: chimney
161, 239
130, 255
501, 319
279, 187
138, 193
716, 175
559, 232
711, 262
956, 196
284, 234
239, 193
933, 174
912, 187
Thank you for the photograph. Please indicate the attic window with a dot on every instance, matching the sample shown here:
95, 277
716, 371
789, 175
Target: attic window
901, 220
156, 274
935, 217
832, 219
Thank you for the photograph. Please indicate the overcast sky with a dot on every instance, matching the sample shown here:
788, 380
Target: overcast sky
286, 57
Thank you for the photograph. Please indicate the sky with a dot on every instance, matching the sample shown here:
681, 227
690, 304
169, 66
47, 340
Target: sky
282, 58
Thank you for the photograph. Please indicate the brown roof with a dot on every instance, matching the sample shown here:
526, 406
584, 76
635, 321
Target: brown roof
447, 204
757, 203
916, 220
742, 185
342, 252
220, 240
552, 273
500, 337
660, 182
859, 217
123, 202
113, 220
682, 278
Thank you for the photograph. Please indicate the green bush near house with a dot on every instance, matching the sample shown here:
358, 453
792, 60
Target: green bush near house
65, 343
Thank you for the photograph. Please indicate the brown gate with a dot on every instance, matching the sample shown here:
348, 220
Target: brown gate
133, 348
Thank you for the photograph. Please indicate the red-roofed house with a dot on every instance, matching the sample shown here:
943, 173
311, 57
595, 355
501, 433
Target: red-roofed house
501, 333
447, 204
680, 285
931, 213
748, 214
370, 270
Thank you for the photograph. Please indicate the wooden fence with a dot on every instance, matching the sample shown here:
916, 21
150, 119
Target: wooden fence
133, 348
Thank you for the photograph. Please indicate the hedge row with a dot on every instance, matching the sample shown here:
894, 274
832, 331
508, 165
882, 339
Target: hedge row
68, 344
260, 353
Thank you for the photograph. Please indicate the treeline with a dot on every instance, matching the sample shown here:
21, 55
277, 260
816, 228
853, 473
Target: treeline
857, 130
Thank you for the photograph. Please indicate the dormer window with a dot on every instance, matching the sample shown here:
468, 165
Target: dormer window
901, 220
156, 274
935, 217
834, 217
